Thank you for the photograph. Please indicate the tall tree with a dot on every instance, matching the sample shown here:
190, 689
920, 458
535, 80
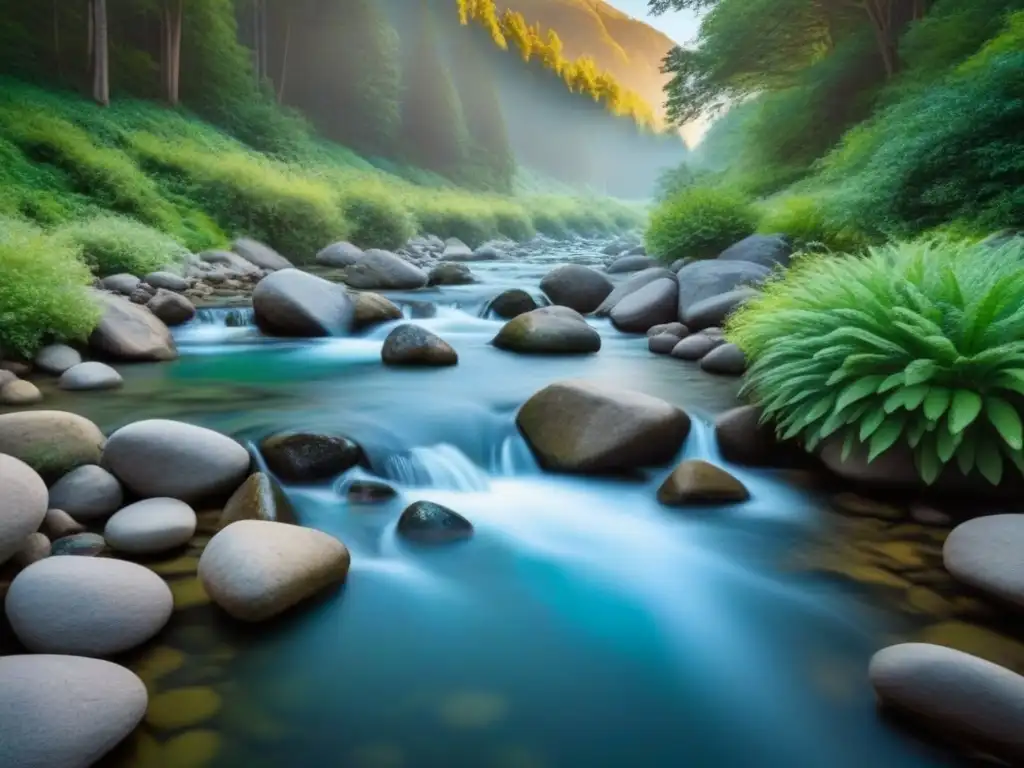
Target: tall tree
100, 51
170, 48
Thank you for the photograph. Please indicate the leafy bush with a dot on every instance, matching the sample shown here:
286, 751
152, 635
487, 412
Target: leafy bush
43, 291
806, 221
920, 342
699, 223
513, 221
112, 245
377, 221
473, 225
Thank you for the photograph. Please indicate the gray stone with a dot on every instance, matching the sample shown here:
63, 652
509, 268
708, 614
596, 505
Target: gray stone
85, 606
456, 250
743, 439
57, 524
256, 569
714, 310
381, 270
51, 442
637, 250
167, 280
295, 303
65, 711
129, 332
57, 358
672, 329
985, 553
172, 308
957, 696
87, 493
225, 264
79, 545
487, 252
629, 264
662, 344
450, 273
6, 377
430, 523
159, 457
579, 426
150, 526
548, 331
512, 303
35, 548
695, 347
653, 304
409, 344
20, 392
22, 493
632, 285
123, 283
678, 264
727, 360
703, 279
263, 256
90, 376
766, 250
372, 309
342, 254
577, 287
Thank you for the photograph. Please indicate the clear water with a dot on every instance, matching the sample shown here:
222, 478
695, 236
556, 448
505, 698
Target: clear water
582, 625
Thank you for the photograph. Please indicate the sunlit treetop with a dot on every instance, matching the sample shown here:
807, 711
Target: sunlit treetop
581, 75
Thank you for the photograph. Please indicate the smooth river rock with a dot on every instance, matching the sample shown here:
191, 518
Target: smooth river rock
766, 250
959, 697
726, 360
260, 255
167, 280
258, 498
340, 254
51, 442
701, 280
59, 523
427, 522
456, 250
65, 711
987, 553
633, 263
291, 302
512, 303
305, 457
255, 569
651, 305
22, 493
743, 439
87, 606
694, 347
372, 309
632, 285
671, 329
150, 526
79, 545
56, 358
87, 493
379, 270
35, 548
580, 426
715, 310
450, 273
577, 287
89, 377
173, 308
549, 330
122, 283
19, 392
129, 332
696, 481
159, 457
414, 345
662, 344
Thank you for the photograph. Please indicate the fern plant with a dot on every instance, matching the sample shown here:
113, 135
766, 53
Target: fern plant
921, 342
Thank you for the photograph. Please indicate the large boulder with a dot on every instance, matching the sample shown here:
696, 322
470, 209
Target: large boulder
410, 344
381, 270
766, 250
512, 303
548, 330
957, 696
295, 303
129, 332
51, 442
632, 285
715, 310
340, 254
304, 457
373, 309
579, 426
701, 280
90, 376
159, 457
56, 358
172, 308
262, 256
122, 283
629, 264
22, 504
255, 569
258, 498
696, 481
577, 287
65, 711
226, 264
151, 526
743, 439
450, 273
87, 606
87, 493
985, 553
653, 304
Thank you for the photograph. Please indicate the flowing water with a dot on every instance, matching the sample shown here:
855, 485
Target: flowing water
583, 625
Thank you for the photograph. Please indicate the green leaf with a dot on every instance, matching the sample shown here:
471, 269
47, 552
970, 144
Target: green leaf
920, 371
896, 380
847, 447
1005, 419
928, 465
916, 431
990, 462
966, 452
1012, 379
964, 410
946, 444
871, 422
883, 439
858, 390
909, 398
936, 402
1016, 457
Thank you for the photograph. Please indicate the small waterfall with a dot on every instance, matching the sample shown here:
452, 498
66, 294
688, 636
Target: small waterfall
229, 317
436, 466
513, 457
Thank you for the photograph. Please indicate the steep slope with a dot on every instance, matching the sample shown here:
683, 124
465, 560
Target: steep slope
627, 48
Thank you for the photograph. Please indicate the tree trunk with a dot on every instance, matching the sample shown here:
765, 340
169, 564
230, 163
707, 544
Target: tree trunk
284, 55
56, 41
170, 44
101, 54
880, 13
90, 37
259, 39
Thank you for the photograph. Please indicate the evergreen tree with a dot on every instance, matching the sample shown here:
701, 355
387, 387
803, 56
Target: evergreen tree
433, 133
489, 156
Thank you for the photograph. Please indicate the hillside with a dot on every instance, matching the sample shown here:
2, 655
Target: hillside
627, 48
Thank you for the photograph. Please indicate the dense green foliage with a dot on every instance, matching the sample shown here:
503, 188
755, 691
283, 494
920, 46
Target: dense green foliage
111, 245
43, 291
804, 219
920, 341
699, 223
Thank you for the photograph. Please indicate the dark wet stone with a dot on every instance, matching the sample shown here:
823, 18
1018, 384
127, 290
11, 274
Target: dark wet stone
512, 303
307, 457
662, 344
81, 544
369, 492
425, 521
410, 344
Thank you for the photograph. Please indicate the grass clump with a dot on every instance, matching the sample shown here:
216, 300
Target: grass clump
805, 220
43, 292
376, 219
918, 342
112, 245
699, 223
472, 222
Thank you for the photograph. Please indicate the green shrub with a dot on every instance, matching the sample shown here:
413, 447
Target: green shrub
43, 291
445, 218
699, 223
920, 342
377, 220
111, 245
513, 221
806, 221
549, 223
